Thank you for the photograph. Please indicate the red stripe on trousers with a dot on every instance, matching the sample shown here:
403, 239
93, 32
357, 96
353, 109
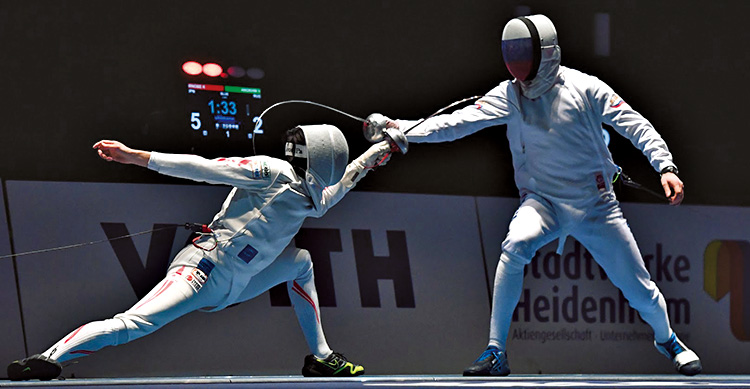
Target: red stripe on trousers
161, 290
87, 352
307, 297
74, 334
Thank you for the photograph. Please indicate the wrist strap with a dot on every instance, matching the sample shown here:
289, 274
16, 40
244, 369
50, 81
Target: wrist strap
669, 169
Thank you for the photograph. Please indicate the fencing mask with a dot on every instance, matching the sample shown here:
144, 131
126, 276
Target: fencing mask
530, 50
326, 152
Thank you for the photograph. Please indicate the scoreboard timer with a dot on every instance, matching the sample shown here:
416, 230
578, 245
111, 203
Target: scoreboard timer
224, 111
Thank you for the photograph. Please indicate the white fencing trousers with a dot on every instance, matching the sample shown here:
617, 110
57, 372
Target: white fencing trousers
174, 297
601, 228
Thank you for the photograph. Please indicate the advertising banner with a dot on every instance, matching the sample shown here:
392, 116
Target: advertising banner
399, 292
64, 289
571, 319
404, 283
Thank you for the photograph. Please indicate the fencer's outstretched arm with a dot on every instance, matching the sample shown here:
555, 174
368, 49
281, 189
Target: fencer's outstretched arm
494, 108
248, 173
112, 150
379, 153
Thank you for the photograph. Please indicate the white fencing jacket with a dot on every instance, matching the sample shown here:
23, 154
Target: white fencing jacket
556, 139
261, 215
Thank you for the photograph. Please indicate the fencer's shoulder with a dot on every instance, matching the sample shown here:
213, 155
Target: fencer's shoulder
261, 166
586, 84
268, 159
505, 90
283, 170
277, 165
576, 76
580, 79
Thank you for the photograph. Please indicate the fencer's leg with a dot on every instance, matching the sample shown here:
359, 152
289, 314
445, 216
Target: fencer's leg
534, 225
294, 266
304, 298
506, 292
171, 298
324, 362
606, 235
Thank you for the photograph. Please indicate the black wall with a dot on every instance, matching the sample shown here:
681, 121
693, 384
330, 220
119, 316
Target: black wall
75, 72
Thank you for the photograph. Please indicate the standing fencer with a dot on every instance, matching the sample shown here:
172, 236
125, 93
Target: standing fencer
563, 171
247, 250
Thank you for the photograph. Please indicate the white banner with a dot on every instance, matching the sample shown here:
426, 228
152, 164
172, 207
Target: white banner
403, 282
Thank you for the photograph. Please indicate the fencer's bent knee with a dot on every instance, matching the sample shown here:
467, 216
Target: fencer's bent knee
519, 251
511, 263
304, 256
532, 226
305, 268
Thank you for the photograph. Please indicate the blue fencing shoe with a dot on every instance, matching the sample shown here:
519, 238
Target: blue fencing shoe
492, 362
685, 360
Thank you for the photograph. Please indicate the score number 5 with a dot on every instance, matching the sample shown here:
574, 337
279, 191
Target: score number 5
195, 120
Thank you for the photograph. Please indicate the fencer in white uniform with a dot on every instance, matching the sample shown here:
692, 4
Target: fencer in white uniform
563, 171
249, 250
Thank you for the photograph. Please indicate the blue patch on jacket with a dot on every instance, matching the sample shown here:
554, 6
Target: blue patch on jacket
206, 266
248, 253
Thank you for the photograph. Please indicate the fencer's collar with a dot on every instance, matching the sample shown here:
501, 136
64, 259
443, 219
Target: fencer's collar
546, 75
314, 189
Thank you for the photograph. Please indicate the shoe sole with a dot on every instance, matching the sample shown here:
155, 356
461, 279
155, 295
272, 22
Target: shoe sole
691, 368
315, 373
485, 374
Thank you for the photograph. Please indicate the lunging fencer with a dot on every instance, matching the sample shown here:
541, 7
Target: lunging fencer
249, 248
563, 171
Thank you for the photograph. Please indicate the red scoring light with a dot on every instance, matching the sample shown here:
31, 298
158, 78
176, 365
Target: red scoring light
212, 70
192, 68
